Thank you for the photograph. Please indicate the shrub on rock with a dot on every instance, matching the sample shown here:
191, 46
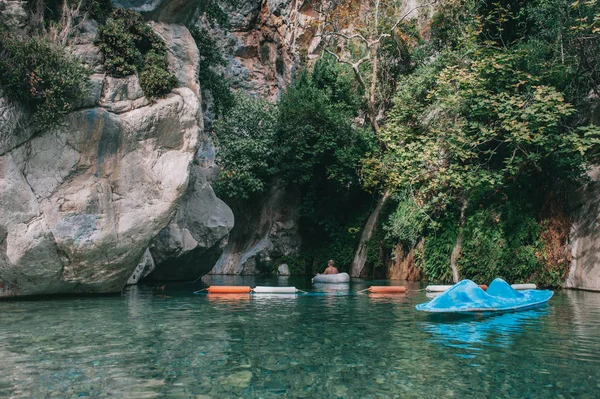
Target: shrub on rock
130, 45
41, 76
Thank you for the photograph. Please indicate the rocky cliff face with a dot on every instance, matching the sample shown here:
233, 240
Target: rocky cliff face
265, 43
263, 48
81, 204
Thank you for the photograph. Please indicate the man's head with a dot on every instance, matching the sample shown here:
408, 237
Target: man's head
331, 263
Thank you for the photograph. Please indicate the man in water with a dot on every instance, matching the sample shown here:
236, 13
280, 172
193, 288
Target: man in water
331, 268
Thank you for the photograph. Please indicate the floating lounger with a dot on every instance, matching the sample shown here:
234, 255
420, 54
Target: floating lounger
444, 288
524, 286
275, 290
389, 289
229, 289
332, 278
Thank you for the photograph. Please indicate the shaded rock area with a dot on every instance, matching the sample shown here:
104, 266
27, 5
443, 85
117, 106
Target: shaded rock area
585, 238
403, 266
143, 269
262, 233
168, 11
80, 204
190, 246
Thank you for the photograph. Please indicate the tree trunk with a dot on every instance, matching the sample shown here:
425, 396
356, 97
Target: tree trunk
360, 256
458, 246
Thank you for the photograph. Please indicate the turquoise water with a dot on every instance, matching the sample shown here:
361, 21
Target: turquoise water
168, 343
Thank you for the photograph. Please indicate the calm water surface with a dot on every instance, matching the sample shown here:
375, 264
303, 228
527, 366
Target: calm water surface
152, 343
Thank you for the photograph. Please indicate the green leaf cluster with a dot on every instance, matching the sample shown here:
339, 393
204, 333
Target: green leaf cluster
246, 143
41, 76
493, 120
210, 79
129, 46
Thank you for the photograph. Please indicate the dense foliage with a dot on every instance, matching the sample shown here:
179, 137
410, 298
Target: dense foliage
246, 148
307, 141
41, 76
129, 46
211, 81
488, 133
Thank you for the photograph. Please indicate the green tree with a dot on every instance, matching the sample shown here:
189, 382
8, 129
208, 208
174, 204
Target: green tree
247, 152
483, 124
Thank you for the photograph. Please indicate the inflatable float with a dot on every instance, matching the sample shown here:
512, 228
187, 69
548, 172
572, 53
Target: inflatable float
468, 297
444, 288
332, 278
274, 290
387, 289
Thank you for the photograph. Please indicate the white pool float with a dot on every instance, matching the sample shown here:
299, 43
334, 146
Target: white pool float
332, 278
275, 290
444, 288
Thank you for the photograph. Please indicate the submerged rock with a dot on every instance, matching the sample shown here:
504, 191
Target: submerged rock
283, 270
143, 269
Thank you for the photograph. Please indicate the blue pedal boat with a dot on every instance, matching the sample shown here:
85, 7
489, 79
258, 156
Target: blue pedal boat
468, 297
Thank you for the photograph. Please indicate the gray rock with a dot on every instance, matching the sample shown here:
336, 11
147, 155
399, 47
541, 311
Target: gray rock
190, 246
122, 94
143, 269
81, 204
15, 125
262, 233
94, 92
284, 270
585, 238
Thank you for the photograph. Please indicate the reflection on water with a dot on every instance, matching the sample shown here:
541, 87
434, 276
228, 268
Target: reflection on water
165, 342
336, 289
467, 330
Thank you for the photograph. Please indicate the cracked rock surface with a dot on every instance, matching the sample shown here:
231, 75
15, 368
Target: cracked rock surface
81, 204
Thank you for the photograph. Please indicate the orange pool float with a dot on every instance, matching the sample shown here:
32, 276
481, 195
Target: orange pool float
229, 289
387, 289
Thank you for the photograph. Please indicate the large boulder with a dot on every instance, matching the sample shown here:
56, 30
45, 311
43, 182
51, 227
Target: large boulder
81, 204
190, 246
